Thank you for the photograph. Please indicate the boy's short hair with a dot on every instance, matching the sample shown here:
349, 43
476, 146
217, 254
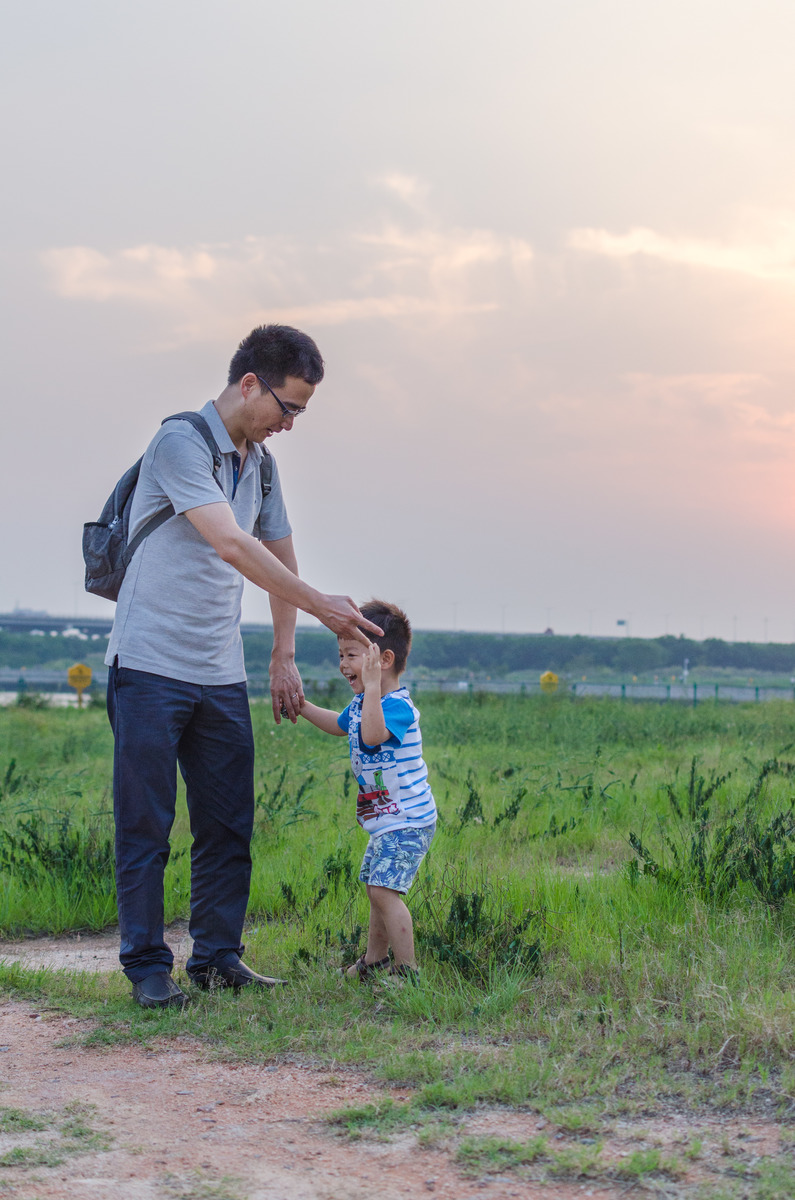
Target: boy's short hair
396, 627
274, 352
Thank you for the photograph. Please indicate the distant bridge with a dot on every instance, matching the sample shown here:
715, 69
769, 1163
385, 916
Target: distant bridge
22, 621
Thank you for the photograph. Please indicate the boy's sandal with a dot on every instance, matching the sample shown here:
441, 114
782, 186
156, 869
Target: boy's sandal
403, 972
364, 971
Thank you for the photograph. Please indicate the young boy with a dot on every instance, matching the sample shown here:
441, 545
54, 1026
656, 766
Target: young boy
395, 805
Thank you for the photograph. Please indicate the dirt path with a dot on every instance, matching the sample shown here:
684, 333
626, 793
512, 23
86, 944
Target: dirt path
128, 1123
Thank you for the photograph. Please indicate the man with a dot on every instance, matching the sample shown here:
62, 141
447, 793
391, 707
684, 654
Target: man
176, 688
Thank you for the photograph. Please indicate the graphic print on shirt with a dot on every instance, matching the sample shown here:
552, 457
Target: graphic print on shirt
377, 775
379, 793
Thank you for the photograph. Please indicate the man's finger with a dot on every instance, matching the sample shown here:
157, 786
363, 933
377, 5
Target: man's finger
343, 618
356, 635
291, 704
363, 622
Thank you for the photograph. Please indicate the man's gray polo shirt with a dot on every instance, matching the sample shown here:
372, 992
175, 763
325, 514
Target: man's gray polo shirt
178, 612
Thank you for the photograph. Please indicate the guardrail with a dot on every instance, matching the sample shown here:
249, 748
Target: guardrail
688, 693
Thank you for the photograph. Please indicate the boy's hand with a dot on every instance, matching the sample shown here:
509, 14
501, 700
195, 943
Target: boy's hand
371, 666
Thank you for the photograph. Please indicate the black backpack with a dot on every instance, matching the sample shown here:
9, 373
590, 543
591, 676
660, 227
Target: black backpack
107, 552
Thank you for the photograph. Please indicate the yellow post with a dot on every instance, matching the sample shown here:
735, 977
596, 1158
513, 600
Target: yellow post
79, 677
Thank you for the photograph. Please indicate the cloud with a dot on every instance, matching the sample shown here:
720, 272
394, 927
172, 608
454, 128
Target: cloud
390, 274
746, 408
442, 254
412, 192
771, 258
147, 274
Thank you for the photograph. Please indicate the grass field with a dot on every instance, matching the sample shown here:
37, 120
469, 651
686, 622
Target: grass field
604, 921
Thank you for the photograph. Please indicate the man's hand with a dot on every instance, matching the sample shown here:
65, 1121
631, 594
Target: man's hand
287, 691
341, 616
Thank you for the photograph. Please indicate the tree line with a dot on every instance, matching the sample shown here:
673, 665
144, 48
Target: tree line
500, 654
479, 653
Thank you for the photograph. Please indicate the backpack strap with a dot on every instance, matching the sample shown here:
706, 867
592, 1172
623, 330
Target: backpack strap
265, 476
200, 425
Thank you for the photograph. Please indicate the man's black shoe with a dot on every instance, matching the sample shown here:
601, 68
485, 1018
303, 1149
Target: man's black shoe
234, 975
158, 990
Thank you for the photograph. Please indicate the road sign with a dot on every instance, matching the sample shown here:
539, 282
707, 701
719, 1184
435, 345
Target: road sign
549, 682
79, 677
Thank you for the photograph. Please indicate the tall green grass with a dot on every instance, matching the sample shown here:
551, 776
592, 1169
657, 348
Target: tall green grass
552, 958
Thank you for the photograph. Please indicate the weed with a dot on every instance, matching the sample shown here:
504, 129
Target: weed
713, 857
70, 1133
279, 808
197, 1185
33, 1156
773, 1181
12, 780
288, 895
338, 868
346, 941
472, 812
77, 1127
576, 1162
17, 1120
482, 1155
511, 811
60, 849
554, 830
641, 1163
477, 934
378, 1119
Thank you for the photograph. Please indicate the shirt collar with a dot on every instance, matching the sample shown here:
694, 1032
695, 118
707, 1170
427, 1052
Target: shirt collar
221, 433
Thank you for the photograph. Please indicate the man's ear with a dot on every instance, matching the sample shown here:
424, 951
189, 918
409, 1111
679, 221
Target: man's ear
249, 383
387, 659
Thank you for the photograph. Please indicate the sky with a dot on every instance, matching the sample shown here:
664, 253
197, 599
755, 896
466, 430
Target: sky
547, 252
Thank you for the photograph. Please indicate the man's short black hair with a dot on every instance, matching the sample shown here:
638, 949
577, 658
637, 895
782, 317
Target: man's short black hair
274, 352
396, 627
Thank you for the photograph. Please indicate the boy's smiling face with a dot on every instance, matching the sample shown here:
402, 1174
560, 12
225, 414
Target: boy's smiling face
351, 662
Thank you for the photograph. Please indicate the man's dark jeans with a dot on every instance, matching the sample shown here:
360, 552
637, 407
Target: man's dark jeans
159, 723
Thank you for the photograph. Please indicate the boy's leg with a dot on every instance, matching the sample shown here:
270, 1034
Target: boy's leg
377, 934
393, 916
389, 868
377, 952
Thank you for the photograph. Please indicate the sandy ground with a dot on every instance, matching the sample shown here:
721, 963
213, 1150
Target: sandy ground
166, 1122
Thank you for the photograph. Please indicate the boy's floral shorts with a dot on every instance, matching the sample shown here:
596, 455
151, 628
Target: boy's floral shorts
391, 859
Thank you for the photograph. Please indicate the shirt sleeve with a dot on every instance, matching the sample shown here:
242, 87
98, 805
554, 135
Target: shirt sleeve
343, 720
183, 467
273, 514
398, 717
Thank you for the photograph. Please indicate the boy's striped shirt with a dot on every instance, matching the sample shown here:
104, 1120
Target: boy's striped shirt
394, 792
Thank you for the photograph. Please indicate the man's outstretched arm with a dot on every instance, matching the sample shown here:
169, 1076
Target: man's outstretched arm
218, 526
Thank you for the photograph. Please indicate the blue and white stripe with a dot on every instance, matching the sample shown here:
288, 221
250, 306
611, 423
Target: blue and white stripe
400, 757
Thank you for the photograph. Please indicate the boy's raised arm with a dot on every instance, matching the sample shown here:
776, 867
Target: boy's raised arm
322, 718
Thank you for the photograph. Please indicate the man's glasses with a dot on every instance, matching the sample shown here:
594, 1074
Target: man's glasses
289, 410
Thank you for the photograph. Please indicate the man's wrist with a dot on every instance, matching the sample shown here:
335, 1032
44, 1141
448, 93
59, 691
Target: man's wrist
283, 654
